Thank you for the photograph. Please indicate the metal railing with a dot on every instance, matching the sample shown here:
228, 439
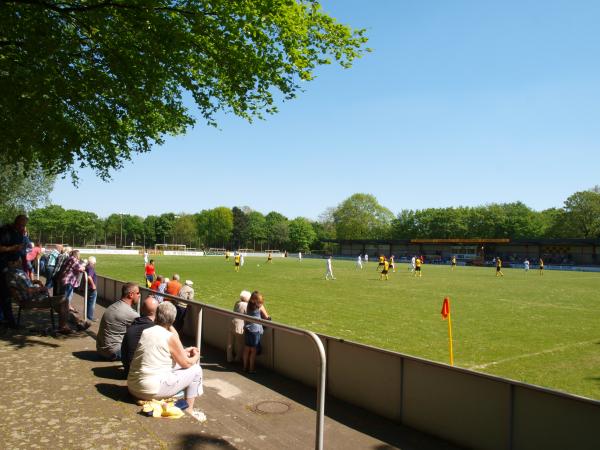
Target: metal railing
321, 384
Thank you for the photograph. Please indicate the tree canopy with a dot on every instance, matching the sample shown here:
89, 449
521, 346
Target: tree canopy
91, 82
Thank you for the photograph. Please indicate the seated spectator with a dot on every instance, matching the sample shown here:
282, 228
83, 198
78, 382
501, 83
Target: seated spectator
156, 283
161, 366
115, 321
187, 291
134, 332
26, 290
162, 289
235, 340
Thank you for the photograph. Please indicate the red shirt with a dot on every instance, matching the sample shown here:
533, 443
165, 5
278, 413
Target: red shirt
155, 285
149, 269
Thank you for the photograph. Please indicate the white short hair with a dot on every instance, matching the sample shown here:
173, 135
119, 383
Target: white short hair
245, 296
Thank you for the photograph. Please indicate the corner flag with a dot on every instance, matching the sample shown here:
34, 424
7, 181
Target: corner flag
446, 315
446, 308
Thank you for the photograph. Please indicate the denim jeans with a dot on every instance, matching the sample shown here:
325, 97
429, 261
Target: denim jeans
68, 293
91, 304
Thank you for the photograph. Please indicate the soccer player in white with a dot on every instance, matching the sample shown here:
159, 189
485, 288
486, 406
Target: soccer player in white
329, 271
366, 258
300, 256
145, 258
241, 259
413, 263
526, 264
359, 262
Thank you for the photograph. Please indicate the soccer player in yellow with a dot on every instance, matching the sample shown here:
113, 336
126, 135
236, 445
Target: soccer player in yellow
270, 258
541, 266
453, 262
384, 272
499, 268
236, 260
418, 264
381, 260
226, 255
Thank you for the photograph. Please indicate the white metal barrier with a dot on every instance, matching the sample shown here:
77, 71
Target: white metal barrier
321, 387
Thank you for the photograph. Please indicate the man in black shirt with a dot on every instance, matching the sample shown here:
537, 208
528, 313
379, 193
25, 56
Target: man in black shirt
134, 331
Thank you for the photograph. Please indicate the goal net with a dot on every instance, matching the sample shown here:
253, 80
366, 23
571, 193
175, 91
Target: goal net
175, 247
215, 251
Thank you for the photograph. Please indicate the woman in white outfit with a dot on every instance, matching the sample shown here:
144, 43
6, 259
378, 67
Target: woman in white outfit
162, 367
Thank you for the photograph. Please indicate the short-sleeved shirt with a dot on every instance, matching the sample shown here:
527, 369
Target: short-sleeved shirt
113, 326
173, 287
91, 272
150, 269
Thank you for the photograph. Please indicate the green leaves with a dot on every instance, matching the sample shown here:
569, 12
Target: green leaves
92, 83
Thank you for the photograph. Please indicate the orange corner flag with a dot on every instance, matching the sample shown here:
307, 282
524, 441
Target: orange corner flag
446, 315
446, 308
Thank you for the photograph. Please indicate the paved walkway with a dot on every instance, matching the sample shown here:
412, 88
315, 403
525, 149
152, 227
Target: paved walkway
58, 394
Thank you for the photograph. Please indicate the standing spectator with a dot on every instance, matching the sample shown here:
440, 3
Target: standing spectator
150, 270
115, 321
253, 331
235, 340
31, 257
11, 246
51, 264
90, 272
57, 288
71, 277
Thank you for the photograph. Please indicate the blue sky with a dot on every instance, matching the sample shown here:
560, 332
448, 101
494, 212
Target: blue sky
460, 103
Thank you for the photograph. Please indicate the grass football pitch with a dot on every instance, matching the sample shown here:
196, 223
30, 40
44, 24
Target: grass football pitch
543, 330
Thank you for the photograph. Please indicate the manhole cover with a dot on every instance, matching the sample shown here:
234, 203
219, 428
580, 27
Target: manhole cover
271, 407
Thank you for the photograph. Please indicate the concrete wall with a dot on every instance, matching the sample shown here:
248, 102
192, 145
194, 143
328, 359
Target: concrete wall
461, 406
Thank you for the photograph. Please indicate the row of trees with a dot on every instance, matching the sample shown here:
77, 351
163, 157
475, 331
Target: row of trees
218, 227
362, 217
358, 217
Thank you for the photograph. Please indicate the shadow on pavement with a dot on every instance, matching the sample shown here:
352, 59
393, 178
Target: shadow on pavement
88, 355
115, 392
109, 372
202, 441
392, 433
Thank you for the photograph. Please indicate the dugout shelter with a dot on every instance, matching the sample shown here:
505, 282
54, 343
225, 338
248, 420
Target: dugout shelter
580, 252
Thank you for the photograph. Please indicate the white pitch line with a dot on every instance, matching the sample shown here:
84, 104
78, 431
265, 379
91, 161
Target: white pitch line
527, 355
542, 305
